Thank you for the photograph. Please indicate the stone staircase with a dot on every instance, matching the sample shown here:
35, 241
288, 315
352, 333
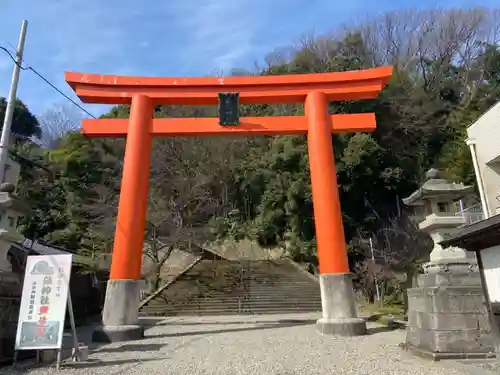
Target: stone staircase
225, 287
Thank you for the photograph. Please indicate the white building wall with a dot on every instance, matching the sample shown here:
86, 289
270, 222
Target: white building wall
491, 264
486, 134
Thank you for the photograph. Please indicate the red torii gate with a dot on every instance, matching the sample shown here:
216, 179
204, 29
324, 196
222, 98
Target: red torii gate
120, 316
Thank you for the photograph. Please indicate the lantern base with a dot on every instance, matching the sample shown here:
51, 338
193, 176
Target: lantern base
447, 315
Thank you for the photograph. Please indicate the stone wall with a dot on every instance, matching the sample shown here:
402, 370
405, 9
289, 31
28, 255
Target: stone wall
87, 295
10, 291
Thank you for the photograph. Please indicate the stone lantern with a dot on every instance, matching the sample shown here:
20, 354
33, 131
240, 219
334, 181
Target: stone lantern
12, 209
447, 317
436, 199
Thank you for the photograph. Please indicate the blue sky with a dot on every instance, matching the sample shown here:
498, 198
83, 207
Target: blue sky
164, 38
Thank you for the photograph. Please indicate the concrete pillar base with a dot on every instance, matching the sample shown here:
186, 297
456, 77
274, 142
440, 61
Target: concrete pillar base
341, 327
339, 307
120, 316
109, 334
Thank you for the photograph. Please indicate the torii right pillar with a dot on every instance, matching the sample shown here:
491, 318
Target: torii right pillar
337, 294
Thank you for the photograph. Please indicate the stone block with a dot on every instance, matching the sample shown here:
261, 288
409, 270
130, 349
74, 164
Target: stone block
449, 321
448, 299
449, 317
417, 299
414, 335
458, 341
457, 300
449, 279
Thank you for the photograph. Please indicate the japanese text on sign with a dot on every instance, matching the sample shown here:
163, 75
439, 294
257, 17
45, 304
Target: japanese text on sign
43, 302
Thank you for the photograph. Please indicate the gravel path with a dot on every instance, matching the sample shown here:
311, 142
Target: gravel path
264, 345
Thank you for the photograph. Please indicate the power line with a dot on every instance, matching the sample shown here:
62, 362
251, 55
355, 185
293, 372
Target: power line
12, 57
12, 48
60, 92
46, 81
39, 75
9, 43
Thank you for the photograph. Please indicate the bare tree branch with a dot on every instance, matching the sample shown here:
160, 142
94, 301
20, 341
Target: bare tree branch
56, 122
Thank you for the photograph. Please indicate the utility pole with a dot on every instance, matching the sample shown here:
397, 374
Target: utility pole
398, 206
11, 103
375, 280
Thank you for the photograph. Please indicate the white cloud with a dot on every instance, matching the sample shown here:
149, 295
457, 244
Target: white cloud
78, 35
86, 33
220, 32
126, 37
131, 37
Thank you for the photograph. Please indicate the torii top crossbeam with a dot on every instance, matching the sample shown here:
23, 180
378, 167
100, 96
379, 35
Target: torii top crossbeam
350, 85
272, 89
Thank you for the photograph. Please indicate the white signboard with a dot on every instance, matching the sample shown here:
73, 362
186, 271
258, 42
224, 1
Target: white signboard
43, 302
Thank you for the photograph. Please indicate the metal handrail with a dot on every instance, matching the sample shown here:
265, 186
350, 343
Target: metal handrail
472, 214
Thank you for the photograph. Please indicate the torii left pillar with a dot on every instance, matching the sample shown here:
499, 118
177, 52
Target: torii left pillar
120, 315
337, 294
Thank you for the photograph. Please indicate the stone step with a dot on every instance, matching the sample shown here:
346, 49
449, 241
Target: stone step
269, 291
301, 290
247, 291
289, 298
219, 287
239, 300
242, 291
247, 299
185, 309
234, 303
278, 277
227, 313
281, 285
291, 280
259, 297
261, 278
219, 311
275, 290
240, 294
261, 308
278, 282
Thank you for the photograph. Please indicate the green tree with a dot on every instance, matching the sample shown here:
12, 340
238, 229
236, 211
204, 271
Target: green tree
24, 123
445, 76
68, 200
